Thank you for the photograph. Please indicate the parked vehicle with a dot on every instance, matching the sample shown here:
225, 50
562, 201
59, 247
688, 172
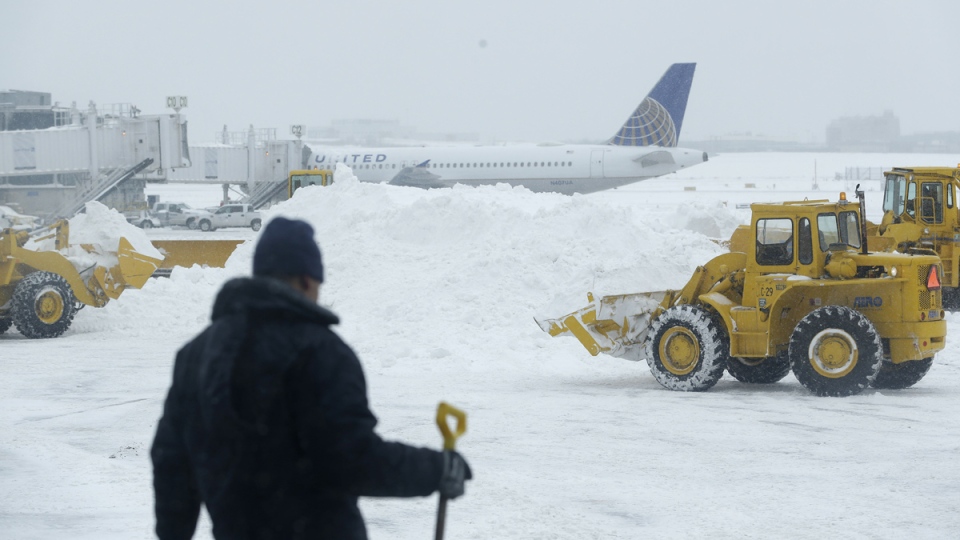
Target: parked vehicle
231, 215
145, 219
177, 214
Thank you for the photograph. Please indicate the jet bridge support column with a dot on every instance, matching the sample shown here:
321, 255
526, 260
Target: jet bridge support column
251, 160
94, 150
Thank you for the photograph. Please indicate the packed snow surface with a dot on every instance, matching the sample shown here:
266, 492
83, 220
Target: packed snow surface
438, 291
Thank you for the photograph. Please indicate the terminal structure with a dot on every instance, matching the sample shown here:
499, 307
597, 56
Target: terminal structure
54, 159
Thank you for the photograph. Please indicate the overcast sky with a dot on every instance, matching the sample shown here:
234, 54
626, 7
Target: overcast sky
550, 70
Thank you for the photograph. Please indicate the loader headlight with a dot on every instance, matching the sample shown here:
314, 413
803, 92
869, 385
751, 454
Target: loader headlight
893, 271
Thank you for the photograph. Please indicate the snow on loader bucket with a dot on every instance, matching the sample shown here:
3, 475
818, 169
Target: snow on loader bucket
41, 289
616, 325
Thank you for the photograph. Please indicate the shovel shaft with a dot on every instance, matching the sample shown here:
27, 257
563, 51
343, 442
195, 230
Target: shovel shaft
441, 518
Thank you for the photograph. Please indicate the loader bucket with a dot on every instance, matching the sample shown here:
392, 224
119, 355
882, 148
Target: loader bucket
616, 325
186, 253
132, 270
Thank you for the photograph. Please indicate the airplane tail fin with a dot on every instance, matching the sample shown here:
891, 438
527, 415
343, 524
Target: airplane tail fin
658, 118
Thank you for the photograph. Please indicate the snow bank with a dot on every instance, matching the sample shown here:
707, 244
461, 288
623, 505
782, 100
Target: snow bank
105, 226
712, 219
99, 226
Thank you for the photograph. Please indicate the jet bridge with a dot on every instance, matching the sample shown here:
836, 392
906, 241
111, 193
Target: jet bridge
253, 159
82, 156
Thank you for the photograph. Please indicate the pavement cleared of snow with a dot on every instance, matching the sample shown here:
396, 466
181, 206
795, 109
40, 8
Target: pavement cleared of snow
437, 291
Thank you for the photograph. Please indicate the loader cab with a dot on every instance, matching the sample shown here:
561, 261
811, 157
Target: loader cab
795, 238
919, 196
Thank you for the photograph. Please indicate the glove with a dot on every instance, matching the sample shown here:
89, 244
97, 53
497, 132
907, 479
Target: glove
455, 473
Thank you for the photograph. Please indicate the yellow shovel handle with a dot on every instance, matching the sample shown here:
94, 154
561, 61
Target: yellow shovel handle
444, 412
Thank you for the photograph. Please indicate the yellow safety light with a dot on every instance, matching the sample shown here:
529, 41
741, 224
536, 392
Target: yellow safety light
843, 196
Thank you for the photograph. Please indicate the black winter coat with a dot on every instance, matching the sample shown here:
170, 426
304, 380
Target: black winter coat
267, 424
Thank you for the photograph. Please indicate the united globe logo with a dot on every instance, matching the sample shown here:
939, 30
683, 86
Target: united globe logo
650, 125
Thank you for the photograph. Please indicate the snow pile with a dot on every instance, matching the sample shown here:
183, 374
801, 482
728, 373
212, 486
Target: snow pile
466, 269
104, 226
712, 219
101, 227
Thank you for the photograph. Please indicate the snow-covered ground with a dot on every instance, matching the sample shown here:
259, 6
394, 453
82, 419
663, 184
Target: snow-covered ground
437, 291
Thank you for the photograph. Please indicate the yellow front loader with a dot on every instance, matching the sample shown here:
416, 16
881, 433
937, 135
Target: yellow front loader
41, 290
801, 293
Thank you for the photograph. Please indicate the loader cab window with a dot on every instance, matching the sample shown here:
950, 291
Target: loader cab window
931, 202
893, 194
842, 230
850, 229
774, 242
804, 242
827, 230
911, 201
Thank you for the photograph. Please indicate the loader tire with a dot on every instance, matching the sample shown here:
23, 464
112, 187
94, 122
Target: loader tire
43, 305
951, 299
899, 376
5, 323
835, 351
687, 349
759, 371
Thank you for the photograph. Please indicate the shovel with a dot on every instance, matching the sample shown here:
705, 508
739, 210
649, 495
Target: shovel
444, 412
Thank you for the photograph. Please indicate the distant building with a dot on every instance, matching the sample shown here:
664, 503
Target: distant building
749, 142
864, 133
942, 142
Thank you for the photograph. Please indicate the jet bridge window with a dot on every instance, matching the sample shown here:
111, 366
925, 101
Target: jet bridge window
774, 242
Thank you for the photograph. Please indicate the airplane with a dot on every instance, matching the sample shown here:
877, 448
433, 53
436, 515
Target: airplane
644, 147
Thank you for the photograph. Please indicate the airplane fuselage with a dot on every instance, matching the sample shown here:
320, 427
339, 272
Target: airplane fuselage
558, 168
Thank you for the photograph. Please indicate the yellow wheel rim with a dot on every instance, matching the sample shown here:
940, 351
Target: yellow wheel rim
679, 350
49, 306
833, 353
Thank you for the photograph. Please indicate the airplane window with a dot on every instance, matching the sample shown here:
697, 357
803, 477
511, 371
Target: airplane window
541, 164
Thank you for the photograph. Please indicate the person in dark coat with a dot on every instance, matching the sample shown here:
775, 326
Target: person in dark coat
267, 422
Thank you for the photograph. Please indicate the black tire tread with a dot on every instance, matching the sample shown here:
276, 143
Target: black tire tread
24, 315
904, 375
860, 329
714, 348
772, 369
